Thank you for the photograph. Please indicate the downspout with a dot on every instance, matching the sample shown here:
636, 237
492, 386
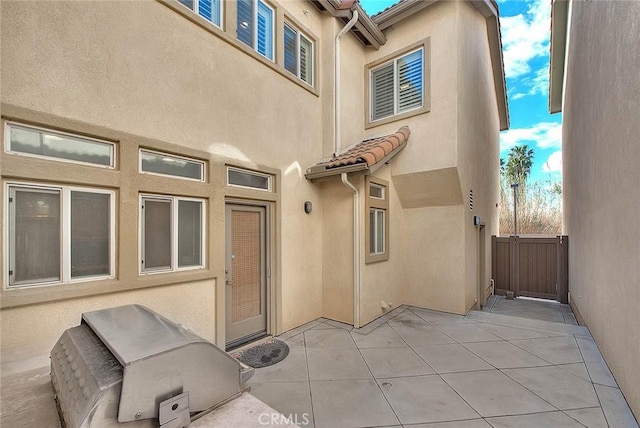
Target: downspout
336, 84
345, 180
356, 249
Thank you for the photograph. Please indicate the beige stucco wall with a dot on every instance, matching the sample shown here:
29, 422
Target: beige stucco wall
477, 155
386, 280
337, 251
435, 258
154, 73
601, 181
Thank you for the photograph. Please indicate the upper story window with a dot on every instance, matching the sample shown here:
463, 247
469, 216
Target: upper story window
255, 26
298, 54
175, 166
59, 146
397, 86
211, 10
59, 234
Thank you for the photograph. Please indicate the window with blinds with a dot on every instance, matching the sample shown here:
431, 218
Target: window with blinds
255, 26
298, 54
171, 233
59, 234
397, 86
211, 10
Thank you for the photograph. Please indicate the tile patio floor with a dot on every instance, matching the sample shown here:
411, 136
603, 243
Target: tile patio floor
421, 368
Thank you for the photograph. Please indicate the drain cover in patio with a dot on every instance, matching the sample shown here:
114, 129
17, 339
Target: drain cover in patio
264, 355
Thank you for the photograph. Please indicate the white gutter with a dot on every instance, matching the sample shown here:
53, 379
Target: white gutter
356, 249
336, 84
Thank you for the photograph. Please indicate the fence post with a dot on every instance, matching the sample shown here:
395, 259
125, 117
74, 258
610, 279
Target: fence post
563, 269
513, 272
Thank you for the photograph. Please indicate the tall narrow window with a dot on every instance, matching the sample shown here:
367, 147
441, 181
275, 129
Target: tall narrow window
172, 231
397, 86
298, 54
211, 10
59, 234
377, 222
255, 24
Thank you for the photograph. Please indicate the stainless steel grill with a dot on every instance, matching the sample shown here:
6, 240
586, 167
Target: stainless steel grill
130, 365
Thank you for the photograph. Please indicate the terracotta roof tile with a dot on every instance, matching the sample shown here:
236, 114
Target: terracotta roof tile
370, 151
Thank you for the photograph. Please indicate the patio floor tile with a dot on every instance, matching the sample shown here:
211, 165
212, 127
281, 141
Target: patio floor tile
337, 364
292, 399
435, 317
615, 407
395, 362
382, 337
451, 358
334, 338
419, 336
553, 419
472, 423
562, 389
578, 369
422, 399
292, 368
491, 393
556, 350
467, 333
350, 403
504, 355
592, 418
510, 333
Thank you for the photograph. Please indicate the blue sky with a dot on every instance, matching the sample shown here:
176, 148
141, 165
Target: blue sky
525, 26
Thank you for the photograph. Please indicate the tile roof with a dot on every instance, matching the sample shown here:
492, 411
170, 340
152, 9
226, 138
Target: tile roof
366, 154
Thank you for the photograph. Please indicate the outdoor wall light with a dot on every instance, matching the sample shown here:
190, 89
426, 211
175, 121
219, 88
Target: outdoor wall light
308, 207
476, 220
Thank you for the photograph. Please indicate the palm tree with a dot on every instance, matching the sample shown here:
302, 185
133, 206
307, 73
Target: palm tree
518, 166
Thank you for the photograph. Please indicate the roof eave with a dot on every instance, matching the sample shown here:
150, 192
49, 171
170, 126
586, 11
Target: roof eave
400, 11
321, 172
559, 14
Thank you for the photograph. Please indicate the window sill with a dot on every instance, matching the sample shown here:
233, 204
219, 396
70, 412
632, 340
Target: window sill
369, 259
36, 294
401, 116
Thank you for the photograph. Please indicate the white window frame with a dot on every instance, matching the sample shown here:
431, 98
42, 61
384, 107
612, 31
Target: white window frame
269, 178
65, 232
299, 35
196, 10
202, 164
374, 238
7, 138
174, 200
396, 86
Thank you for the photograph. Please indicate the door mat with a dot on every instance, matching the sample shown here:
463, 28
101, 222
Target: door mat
263, 355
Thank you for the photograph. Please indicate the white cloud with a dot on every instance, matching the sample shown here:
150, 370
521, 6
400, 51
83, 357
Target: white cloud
525, 37
544, 135
554, 162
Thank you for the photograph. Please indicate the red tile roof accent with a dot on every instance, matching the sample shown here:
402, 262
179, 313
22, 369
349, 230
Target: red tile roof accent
370, 151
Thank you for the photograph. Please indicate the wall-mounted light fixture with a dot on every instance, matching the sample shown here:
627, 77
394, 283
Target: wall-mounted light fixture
476, 220
308, 207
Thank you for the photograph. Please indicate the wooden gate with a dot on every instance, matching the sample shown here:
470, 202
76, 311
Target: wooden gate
531, 266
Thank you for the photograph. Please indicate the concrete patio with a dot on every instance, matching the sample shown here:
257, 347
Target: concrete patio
413, 368
416, 367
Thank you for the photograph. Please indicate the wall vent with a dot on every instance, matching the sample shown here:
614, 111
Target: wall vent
471, 200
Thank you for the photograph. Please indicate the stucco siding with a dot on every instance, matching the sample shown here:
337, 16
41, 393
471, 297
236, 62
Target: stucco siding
601, 181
